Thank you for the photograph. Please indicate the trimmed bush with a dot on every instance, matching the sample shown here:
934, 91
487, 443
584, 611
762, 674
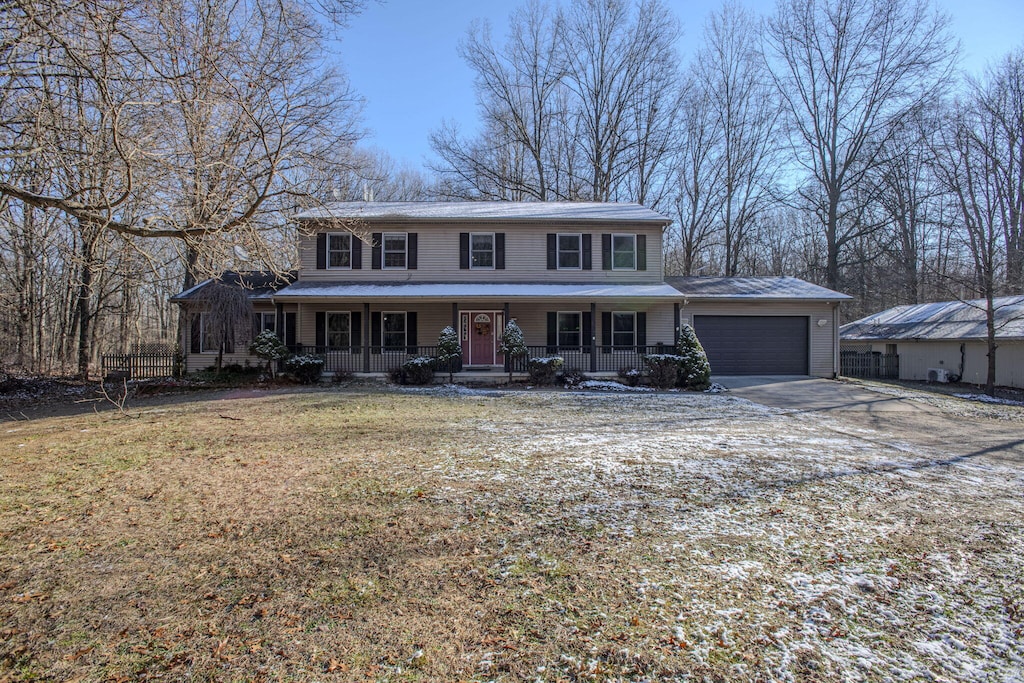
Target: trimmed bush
419, 370
267, 346
694, 368
304, 368
544, 370
662, 370
631, 376
573, 378
513, 345
449, 350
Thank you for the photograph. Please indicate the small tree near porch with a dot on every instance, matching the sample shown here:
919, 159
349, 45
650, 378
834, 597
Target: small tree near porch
448, 350
513, 345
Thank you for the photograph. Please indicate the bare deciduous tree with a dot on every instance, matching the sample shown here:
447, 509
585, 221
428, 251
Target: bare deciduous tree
849, 71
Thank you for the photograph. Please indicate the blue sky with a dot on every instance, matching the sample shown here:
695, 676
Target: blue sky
401, 56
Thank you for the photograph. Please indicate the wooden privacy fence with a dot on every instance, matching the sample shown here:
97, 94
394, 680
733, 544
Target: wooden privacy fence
869, 365
139, 365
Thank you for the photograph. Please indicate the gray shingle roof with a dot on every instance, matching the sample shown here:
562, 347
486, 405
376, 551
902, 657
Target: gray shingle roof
260, 283
760, 288
956, 320
506, 212
476, 290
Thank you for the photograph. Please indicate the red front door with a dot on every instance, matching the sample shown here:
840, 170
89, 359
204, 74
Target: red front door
481, 338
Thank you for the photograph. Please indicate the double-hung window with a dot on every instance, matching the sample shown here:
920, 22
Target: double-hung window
339, 250
395, 249
623, 252
213, 330
393, 330
267, 322
339, 330
569, 328
481, 250
569, 248
623, 329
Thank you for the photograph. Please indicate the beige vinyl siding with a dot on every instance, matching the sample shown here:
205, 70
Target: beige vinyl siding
916, 357
525, 256
822, 342
194, 362
431, 318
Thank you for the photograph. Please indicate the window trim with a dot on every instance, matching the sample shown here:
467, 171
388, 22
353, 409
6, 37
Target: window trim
493, 250
263, 321
559, 250
632, 236
632, 343
330, 237
558, 329
405, 331
384, 250
327, 330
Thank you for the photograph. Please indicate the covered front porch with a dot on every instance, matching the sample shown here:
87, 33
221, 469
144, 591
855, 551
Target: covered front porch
373, 329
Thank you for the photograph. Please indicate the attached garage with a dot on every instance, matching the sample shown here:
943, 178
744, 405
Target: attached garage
755, 344
763, 325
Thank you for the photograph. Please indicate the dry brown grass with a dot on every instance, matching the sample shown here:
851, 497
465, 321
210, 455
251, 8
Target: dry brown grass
401, 536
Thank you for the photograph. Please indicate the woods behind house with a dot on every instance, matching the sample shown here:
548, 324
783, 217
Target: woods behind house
146, 145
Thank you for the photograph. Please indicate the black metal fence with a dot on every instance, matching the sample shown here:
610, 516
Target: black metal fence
382, 359
139, 365
869, 364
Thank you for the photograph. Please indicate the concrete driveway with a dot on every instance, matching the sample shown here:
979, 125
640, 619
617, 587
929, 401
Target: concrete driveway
815, 394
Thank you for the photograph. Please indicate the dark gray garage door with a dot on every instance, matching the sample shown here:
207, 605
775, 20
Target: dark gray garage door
754, 344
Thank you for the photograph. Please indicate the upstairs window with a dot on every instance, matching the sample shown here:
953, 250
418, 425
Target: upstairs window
623, 252
394, 248
569, 247
339, 250
481, 250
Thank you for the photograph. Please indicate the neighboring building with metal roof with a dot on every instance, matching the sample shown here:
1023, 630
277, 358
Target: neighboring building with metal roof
940, 339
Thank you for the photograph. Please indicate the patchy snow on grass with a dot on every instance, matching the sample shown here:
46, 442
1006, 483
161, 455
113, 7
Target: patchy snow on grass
780, 533
985, 398
608, 385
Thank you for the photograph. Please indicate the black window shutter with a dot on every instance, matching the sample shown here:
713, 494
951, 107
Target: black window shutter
588, 331
588, 253
375, 332
256, 320
321, 250
641, 252
641, 330
289, 329
606, 330
321, 328
606, 252
410, 332
195, 343
413, 247
376, 250
552, 251
357, 253
463, 251
356, 331
552, 332
499, 251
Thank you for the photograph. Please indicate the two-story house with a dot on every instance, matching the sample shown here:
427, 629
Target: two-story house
377, 282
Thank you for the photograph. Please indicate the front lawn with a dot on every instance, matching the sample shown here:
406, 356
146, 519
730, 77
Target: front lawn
439, 535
